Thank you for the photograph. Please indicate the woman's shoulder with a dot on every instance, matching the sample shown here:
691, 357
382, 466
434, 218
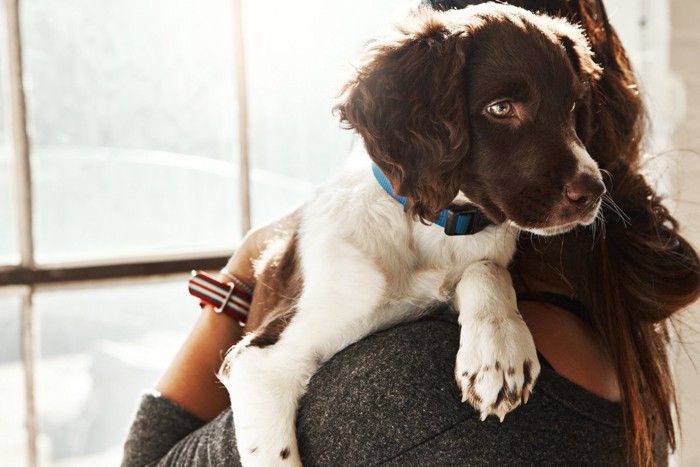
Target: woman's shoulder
392, 396
572, 348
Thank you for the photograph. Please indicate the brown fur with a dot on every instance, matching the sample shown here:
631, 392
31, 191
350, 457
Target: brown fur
633, 276
418, 101
276, 294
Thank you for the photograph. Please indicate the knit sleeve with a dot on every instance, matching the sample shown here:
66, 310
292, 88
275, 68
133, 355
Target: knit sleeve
391, 399
164, 434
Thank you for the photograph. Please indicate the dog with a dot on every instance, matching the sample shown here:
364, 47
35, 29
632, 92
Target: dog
482, 112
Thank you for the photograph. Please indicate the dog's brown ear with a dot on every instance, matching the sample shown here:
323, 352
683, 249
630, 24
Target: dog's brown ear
588, 71
408, 102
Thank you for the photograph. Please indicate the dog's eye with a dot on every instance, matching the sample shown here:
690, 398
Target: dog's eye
501, 109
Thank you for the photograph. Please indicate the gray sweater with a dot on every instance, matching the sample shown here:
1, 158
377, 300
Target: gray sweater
391, 399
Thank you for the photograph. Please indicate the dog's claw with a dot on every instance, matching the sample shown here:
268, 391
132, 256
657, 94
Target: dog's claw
503, 380
500, 413
495, 392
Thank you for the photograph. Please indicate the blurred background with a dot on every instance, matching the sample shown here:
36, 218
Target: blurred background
134, 121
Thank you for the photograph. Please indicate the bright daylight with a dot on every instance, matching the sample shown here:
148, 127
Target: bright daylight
512, 255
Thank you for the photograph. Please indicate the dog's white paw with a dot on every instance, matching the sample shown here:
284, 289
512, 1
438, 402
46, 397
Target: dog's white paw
496, 365
261, 450
264, 396
265, 433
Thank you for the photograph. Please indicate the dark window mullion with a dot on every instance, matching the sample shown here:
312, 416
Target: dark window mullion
40, 275
31, 275
23, 181
242, 94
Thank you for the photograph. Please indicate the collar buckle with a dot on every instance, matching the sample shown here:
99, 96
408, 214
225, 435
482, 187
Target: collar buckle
465, 219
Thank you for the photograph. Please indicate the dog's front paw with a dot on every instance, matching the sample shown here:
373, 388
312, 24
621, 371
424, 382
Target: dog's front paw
264, 394
265, 431
262, 451
496, 365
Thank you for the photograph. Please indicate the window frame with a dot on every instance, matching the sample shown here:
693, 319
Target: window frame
27, 276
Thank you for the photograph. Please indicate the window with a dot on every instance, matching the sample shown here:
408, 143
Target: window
132, 115
133, 123
9, 247
98, 348
13, 436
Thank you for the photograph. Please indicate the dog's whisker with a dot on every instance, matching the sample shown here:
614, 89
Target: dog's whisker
599, 223
607, 174
598, 227
610, 204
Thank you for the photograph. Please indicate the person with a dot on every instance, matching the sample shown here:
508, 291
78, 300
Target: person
597, 303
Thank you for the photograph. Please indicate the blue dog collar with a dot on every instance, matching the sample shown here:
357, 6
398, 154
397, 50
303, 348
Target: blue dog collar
464, 219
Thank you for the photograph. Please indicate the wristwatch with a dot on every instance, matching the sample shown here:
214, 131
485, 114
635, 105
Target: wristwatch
232, 298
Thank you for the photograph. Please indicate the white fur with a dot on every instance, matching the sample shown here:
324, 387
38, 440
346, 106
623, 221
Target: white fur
366, 266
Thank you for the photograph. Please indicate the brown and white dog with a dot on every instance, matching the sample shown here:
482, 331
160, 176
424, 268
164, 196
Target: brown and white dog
486, 105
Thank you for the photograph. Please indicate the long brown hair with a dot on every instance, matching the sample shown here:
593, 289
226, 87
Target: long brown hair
634, 271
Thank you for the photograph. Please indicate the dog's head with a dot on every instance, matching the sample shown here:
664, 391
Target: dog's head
490, 103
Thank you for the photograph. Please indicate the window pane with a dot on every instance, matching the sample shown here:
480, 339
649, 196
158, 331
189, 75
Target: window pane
294, 74
13, 437
100, 347
132, 115
9, 251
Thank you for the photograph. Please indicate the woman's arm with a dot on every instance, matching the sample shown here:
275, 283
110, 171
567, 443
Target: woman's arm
190, 381
164, 429
189, 394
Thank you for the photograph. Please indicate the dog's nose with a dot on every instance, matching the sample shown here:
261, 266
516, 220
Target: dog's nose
585, 190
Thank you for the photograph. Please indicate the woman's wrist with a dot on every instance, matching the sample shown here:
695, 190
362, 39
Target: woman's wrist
220, 327
240, 268
190, 381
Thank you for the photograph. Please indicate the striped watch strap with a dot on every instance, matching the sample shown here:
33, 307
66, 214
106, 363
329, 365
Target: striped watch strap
231, 299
